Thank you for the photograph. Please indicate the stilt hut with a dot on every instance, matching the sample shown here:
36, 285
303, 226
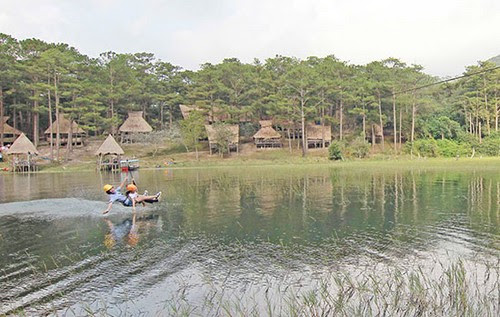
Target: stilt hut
267, 137
9, 133
109, 155
65, 128
233, 142
135, 124
22, 152
318, 135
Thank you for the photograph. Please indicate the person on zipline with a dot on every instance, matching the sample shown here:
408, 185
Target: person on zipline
133, 196
115, 194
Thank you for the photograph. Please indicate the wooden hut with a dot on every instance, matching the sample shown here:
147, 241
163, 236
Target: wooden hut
22, 146
65, 127
135, 124
267, 137
212, 137
109, 155
10, 134
318, 135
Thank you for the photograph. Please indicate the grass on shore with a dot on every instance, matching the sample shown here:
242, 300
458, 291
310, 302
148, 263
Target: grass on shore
83, 159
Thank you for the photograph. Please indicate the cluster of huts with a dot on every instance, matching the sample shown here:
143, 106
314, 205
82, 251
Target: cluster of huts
23, 150
266, 137
109, 153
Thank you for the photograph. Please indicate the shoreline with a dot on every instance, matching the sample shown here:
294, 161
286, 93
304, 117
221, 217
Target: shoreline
295, 162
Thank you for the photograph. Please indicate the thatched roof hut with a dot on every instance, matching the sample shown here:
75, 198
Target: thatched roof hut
9, 132
64, 127
318, 135
109, 146
267, 137
314, 132
235, 136
22, 145
135, 123
267, 133
234, 128
8, 129
77, 132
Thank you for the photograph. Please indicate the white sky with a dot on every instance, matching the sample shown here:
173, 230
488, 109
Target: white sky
442, 35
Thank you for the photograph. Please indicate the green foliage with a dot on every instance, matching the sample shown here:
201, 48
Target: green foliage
359, 148
443, 127
248, 129
467, 138
490, 145
423, 147
451, 148
192, 130
223, 138
335, 151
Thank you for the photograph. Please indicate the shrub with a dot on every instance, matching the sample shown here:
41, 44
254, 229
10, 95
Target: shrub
443, 126
335, 151
423, 147
490, 146
360, 148
450, 148
465, 137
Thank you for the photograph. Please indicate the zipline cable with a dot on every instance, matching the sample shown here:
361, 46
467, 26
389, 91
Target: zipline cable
445, 81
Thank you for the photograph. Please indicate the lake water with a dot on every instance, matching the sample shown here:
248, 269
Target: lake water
254, 241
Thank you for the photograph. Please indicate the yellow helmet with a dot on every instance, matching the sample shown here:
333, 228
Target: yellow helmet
107, 187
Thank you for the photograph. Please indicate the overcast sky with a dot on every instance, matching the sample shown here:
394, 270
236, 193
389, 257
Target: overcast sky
442, 35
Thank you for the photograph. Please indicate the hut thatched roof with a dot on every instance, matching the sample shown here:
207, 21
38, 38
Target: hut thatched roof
234, 128
185, 110
7, 129
135, 123
267, 133
109, 146
64, 126
22, 145
314, 132
266, 123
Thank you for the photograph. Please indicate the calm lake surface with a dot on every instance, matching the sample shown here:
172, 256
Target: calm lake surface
249, 240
